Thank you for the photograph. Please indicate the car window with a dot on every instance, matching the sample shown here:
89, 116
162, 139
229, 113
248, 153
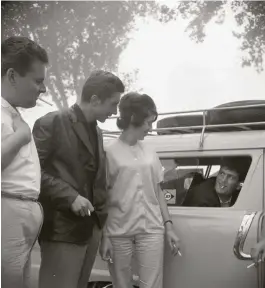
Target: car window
189, 181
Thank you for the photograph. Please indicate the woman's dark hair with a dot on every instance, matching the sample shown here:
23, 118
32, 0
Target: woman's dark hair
19, 53
103, 84
134, 109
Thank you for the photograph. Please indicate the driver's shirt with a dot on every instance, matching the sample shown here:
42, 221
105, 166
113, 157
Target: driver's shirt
134, 174
22, 176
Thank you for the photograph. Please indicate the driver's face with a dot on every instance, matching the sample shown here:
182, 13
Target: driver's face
227, 181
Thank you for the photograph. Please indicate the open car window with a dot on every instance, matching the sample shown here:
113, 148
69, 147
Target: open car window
181, 175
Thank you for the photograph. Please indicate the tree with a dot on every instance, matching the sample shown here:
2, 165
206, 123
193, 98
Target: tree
83, 36
79, 36
250, 19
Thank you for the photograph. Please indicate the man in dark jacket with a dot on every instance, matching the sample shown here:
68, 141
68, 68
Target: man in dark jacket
73, 187
220, 191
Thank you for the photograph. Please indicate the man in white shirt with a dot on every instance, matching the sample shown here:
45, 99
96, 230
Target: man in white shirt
22, 76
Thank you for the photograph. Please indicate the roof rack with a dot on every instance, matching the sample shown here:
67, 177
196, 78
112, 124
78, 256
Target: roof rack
243, 126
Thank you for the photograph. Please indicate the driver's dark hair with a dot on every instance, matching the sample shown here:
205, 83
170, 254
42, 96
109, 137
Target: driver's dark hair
238, 164
19, 53
134, 108
102, 84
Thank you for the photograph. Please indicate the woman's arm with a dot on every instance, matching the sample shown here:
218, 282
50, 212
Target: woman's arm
163, 208
171, 237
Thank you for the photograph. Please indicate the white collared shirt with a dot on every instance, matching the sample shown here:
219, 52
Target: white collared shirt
22, 175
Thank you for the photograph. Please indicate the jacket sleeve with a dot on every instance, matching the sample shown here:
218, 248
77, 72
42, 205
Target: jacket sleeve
103, 181
59, 193
201, 195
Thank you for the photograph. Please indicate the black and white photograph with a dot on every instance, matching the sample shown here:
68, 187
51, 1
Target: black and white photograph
133, 144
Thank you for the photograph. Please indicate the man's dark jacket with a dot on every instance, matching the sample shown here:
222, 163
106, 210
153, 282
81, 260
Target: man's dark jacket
58, 136
204, 195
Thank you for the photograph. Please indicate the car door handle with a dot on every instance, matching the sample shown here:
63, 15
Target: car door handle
242, 235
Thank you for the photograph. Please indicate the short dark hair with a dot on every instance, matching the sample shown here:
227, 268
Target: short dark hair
103, 84
19, 53
238, 164
134, 109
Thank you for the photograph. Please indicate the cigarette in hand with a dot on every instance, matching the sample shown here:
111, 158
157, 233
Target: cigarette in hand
253, 264
108, 260
174, 245
88, 211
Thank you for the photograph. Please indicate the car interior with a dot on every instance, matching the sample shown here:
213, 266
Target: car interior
183, 174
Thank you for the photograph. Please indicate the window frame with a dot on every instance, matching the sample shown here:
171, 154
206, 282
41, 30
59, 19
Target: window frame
243, 199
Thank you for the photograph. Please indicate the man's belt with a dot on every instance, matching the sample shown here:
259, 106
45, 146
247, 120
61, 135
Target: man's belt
18, 197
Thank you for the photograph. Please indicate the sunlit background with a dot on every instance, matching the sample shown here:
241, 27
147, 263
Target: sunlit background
179, 73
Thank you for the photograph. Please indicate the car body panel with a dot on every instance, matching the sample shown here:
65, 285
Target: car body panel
208, 237
207, 234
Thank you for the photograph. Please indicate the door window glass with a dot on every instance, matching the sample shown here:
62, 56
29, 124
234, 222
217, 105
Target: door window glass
204, 181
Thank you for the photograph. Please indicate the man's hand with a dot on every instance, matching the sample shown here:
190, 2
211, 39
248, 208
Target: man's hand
258, 250
82, 207
172, 239
22, 130
12, 143
106, 250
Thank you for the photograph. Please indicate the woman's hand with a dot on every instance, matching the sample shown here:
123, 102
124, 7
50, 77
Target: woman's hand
105, 249
172, 239
258, 250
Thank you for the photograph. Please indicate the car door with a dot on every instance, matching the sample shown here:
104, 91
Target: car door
261, 266
216, 242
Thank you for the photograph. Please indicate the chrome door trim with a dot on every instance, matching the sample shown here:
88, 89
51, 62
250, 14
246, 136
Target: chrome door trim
242, 235
261, 219
261, 266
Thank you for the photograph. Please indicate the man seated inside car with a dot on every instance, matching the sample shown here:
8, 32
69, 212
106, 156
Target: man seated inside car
222, 190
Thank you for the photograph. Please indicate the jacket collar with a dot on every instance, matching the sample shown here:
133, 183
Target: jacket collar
79, 128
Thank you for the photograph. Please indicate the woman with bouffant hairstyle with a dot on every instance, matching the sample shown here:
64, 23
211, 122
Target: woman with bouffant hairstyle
138, 217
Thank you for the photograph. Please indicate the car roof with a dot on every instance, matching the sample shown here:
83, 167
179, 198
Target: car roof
211, 141
196, 134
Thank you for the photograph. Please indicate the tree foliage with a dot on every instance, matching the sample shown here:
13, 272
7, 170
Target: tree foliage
79, 36
249, 17
83, 36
